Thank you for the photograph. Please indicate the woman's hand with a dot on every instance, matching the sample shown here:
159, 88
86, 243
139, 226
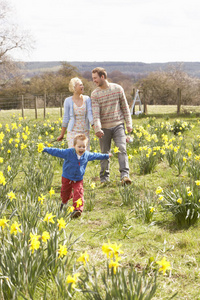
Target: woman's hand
60, 138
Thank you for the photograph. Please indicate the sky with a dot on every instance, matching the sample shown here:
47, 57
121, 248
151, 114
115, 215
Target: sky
146, 31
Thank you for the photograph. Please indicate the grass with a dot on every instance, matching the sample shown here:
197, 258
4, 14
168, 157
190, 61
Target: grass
110, 220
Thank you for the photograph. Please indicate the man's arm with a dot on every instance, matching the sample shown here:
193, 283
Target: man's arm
96, 116
125, 110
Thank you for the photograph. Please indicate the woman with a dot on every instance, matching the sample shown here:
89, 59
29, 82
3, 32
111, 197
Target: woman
77, 113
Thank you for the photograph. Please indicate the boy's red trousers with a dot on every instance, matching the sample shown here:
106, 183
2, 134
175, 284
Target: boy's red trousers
72, 189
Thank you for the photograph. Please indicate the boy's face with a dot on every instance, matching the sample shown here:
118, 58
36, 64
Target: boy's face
80, 147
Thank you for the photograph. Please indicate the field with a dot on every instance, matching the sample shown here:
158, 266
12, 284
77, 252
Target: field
136, 241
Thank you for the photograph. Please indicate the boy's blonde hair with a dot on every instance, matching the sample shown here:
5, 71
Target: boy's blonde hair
73, 83
81, 137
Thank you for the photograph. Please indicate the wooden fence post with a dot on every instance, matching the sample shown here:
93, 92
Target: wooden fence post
36, 107
178, 100
133, 100
45, 101
61, 105
144, 104
23, 106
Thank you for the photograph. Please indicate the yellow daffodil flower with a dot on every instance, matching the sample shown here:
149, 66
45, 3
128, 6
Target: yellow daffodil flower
4, 222
114, 264
15, 228
2, 178
40, 147
11, 196
62, 251
51, 192
116, 149
61, 223
49, 218
165, 265
73, 279
41, 198
179, 200
159, 190
45, 236
83, 258
79, 202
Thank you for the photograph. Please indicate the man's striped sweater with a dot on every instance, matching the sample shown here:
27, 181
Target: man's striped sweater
110, 107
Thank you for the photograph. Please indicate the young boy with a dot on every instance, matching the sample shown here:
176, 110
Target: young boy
75, 162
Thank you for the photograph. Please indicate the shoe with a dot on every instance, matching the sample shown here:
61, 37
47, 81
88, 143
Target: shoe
105, 181
126, 180
61, 206
75, 214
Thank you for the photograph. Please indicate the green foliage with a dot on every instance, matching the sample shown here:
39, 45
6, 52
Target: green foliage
183, 203
180, 126
124, 285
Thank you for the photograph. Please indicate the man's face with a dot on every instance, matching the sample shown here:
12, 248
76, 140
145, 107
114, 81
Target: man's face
99, 81
80, 147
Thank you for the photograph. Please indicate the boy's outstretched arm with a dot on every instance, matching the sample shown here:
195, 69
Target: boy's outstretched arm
62, 153
99, 156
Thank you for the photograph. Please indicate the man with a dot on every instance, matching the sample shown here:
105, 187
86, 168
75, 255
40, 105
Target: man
110, 111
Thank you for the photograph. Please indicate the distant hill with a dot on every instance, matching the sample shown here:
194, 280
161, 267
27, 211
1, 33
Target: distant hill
131, 68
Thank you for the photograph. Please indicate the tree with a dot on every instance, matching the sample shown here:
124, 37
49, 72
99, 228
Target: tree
10, 38
68, 70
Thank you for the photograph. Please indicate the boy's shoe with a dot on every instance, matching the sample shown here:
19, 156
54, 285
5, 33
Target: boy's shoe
126, 180
75, 214
61, 206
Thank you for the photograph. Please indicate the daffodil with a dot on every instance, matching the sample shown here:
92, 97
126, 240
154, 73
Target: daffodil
15, 228
83, 258
159, 190
2, 178
11, 196
62, 251
61, 223
92, 185
111, 249
179, 200
51, 192
70, 209
114, 264
197, 182
116, 149
40, 147
41, 198
165, 265
35, 243
49, 218
73, 279
152, 209
4, 222
45, 236
79, 202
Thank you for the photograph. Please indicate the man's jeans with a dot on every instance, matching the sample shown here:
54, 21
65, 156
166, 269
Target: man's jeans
118, 135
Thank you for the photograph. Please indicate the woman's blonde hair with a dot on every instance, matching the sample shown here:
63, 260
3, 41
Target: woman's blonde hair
73, 83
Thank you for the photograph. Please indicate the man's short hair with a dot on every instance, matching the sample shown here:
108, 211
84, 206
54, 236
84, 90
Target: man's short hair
100, 71
81, 137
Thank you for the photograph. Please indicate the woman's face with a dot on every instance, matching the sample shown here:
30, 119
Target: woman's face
79, 88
